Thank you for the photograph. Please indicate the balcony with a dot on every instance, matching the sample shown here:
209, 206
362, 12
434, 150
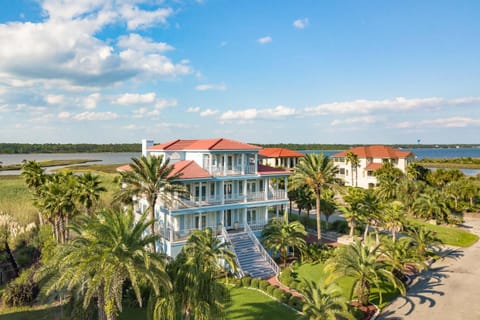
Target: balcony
232, 170
195, 202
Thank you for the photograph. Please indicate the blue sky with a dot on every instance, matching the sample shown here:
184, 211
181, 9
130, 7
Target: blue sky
110, 71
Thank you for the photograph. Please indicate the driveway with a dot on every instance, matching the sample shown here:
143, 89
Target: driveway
449, 290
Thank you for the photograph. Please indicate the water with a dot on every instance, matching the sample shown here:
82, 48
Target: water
421, 153
104, 157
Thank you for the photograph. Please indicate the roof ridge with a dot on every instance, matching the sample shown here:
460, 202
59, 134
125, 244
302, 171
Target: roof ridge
218, 141
171, 144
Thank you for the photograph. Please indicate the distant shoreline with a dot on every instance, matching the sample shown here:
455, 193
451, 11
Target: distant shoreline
26, 148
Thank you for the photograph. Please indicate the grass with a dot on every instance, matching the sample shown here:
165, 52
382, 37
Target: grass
16, 199
48, 163
449, 235
245, 304
314, 272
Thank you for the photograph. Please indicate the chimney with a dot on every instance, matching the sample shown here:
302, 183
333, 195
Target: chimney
145, 145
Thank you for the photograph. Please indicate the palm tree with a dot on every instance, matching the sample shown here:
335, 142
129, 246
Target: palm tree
425, 241
34, 177
196, 292
371, 208
108, 250
328, 204
417, 172
278, 235
432, 205
324, 302
352, 158
353, 212
89, 189
362, 263
394, 218
216, 255
317, 172
153, 178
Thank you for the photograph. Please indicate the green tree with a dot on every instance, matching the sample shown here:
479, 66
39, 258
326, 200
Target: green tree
352, 211
279, 235
352, 158
417, 172
154, 179
426, 241
371, 207
89, 190
108, 250
34, 177
432, 205
362, 263
318, 172
394, 218
328, 204
324, 302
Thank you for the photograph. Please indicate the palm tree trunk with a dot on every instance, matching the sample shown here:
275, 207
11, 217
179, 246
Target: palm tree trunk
152, 216
352, 227
365, 233
356, 176
101, 303
319, 212
13, 262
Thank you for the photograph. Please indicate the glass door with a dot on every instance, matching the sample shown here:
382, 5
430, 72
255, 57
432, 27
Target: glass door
203, 221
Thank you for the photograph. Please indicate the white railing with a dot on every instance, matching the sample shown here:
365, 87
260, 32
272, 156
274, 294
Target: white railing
239, 271
277, 195
183, 234
262, 250
232, 170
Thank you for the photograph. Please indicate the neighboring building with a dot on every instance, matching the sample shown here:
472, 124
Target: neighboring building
229, 190
280, 157
370, 159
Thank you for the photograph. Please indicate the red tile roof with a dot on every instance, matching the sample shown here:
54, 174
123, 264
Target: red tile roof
204, 144
266, 170
279, 153
377, 151
188, 169
373, 166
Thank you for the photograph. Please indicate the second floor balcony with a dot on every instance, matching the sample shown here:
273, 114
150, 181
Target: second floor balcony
232, 198
221, 170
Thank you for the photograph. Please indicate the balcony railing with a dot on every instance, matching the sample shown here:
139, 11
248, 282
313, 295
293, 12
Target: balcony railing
194, 202
232, 170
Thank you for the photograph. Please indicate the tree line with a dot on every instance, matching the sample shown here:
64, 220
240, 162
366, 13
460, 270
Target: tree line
322, 146
14, 148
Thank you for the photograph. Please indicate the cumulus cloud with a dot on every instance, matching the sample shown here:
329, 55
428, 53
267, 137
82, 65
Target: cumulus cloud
65, 46
395, 104
450, 122
264, 40
208, 112
355, 120
91, 101
54, 99
211, 86
163, 103
193, 109
300, 23
64, 115
93, 116
135, 98
252, 113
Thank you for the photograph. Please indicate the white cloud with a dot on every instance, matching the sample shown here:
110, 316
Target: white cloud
54, 99
92, 116
450, 122
175, 125
355, 120
91, 101
300, 23
135, 98
163, 103
137, 42
264, 40
208, 112
193, 109
64, 115
130, 127
251, 114
395, 104
140, 19
211, 86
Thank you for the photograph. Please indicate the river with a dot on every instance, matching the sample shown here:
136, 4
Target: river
124, 157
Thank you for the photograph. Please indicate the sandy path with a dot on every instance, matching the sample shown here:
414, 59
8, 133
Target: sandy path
449, 290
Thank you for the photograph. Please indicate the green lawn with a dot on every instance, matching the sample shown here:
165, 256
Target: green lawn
314, 272
449, 235
246, 304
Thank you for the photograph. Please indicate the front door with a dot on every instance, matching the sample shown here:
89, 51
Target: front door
228, 219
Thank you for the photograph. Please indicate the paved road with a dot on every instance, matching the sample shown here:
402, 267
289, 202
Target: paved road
450, 290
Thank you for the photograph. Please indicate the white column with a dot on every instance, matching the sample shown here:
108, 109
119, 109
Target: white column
210, 156
266, 214
265, 188
256, 163
200, 221
222, 191
223, 218
276, 211
243, 164
224, 164
244, 190
171, 226
244, 217
286, 187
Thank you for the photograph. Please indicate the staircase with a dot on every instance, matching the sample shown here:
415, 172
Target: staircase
250, 257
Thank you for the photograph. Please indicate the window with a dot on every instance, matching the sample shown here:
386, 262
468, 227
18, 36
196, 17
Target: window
212, 189
251, 216
342, 171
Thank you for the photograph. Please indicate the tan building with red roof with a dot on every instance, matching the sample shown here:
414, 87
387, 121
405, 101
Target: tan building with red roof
370, 159
280, 157
228, 188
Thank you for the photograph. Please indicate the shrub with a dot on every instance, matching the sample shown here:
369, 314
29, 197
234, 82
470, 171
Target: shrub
263, 285
246, 281
270, 290
21, 291
254, 283
293, 285
278, 293
340, 226
296, 303
286, 297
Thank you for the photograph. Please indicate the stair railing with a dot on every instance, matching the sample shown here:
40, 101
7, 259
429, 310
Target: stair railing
239, 271
262, 250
